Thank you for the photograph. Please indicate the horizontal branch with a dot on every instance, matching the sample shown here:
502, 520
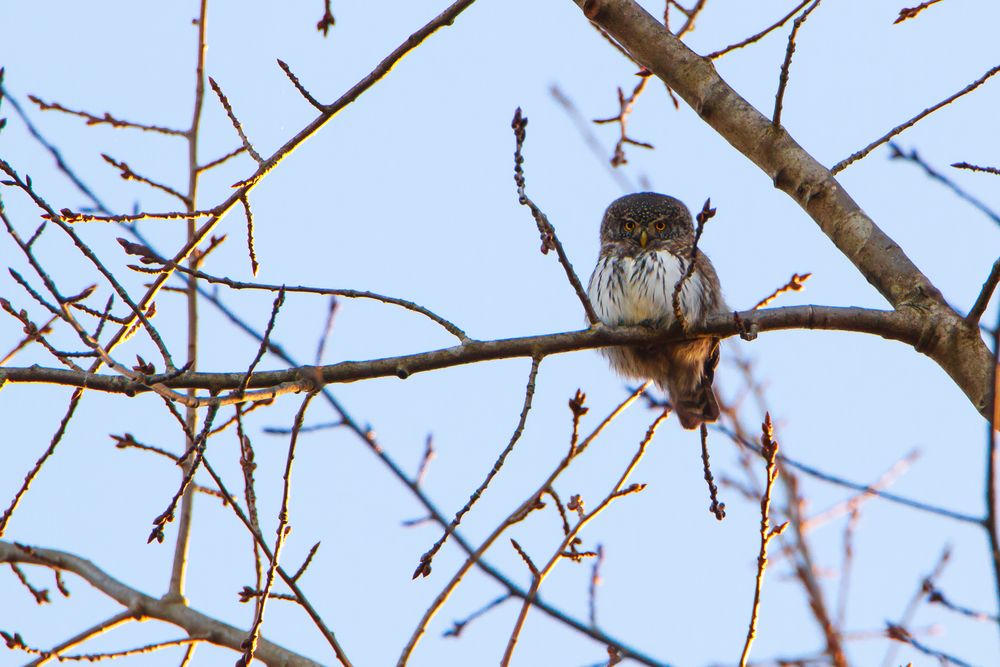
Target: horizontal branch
193, 622
887, 324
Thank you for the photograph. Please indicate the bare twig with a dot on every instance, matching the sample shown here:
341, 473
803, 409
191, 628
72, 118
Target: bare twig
618, 490
424, 566
236, 124
326, 21
250, 645
548, 233
715, 507
625, 105
973, 167
758, 36
843, 164
769, 449
106, 119
298, 85
897, 153
786, 65
983, 300
910, 12
706, 214
128, 174
795, 284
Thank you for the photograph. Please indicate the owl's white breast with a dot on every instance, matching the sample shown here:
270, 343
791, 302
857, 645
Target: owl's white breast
633, 290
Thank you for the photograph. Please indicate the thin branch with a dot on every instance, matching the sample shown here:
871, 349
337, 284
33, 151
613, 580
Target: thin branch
456, 628
301, 289
548, 233
983, 300
235, 121
129, 175
715, 507
618, 490
424, 566
843, 164
706, 214
85, 635
191, 621
769, 449
795, 284
758, 36
787, 64
74, 401
897, 153
972, 167
218, 161
910, 12
282, 532
888, 324
106, 119
298, 85
625, 105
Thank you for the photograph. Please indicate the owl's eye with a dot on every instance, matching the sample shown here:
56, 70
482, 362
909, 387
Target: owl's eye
660, 226
628, 226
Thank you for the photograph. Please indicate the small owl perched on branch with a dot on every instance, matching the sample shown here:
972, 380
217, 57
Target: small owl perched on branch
646, 245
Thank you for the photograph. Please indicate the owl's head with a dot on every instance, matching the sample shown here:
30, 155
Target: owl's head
647, 220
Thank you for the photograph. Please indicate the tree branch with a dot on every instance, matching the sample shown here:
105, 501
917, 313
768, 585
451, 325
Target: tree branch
193, 622
956, 347
887, 324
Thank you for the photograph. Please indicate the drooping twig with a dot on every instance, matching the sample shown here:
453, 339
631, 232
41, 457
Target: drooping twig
424, 566
254, 265
425, 460
795, 284
326, 21
715, 507
758, 36
910, 12
769, 449
548, 233
843, 164
897, 153
595, 581
786, 65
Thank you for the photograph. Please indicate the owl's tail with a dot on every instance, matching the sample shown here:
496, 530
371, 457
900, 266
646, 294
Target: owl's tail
699, 404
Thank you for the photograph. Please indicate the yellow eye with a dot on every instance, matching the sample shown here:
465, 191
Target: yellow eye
629, 226
660, 226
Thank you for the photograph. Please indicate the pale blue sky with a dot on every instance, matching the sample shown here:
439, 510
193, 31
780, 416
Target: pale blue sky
409, 192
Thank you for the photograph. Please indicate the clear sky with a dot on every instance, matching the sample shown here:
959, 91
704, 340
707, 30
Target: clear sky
409, 192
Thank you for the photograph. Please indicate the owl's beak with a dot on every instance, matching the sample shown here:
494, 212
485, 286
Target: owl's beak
643, 238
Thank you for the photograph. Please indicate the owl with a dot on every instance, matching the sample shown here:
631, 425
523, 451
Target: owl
646, 243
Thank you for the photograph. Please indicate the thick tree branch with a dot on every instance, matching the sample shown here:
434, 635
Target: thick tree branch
956, 347
193, 622
887, 324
